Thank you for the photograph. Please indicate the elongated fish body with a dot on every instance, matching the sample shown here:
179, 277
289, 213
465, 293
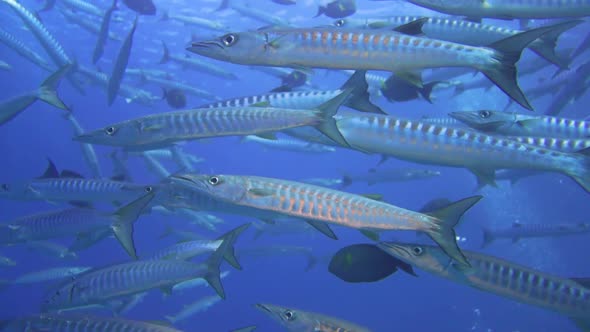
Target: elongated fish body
80, 322
438, 145
187, 250
51, 249
197, 64
174, 84
490, 274
191, 309
85, 6
196, 21
515, 124
509, 9
120, 65
22, 49
55, 224
235, 194
519, 231
50, 274
155, 166
103, 33
290, 145
575, 88
335, 48
88, 25
296, 320
87, 149
101, 285
559, 144
380, 175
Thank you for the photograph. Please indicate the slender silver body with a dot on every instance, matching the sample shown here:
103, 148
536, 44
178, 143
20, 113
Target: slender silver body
191, 309
50, 274
187, 250
22, 49
519, 231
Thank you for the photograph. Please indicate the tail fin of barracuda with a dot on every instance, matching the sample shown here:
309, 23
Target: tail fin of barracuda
508, 52
328, 125
47, 91
449, 217
125, 218
546, 48
213, 274
359, 98
230, 237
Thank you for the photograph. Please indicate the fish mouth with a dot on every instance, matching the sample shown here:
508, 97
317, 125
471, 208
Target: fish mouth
182, 178
393, 249
195, 47
461, 116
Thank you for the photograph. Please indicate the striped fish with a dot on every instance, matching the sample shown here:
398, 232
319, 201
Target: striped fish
76, 221
570, 297
50, 274
481, 153
463, 32
518, 231
335, 48
509, 9
159, 130
296, 320
308, 99
558, 144
514, 124
318, 205
80, 323
19, 47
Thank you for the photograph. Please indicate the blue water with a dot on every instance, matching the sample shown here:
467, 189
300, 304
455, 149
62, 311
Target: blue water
399, 303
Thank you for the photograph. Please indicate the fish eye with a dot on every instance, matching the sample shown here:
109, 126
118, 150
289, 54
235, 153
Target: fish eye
484, 114
214, 180
148, 189
289, 315
417, 251
110, 130
228, 40
339, 23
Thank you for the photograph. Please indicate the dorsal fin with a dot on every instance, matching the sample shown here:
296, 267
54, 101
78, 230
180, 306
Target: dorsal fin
70, 174
413, 28
51, 171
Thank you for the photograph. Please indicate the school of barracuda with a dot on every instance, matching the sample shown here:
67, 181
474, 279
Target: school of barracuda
385, 53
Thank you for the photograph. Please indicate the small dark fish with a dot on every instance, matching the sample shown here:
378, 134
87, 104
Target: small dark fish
285, 2
338, 9
398, 89
365, 263
142, 7
175, 98
295, 79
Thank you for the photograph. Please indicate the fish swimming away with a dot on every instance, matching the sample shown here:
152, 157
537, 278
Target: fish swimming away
196, 64
46, 92
23, 50
365, 263
575, 88
515, 124
194, 21
141, 7
519, 231
567, 296
337, 8
318, 206
293, 80
398, 89
79, 322
88, 25
118, 72
75, 5
191, 309
161, 130
286, 144
481, 153
175, 98
508, 9
380, 176
296, 320
50, 274
334, 48
103, 33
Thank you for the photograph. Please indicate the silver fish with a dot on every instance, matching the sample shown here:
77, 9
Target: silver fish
519, 231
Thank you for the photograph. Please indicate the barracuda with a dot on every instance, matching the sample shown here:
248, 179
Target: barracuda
50, 274
558, 144
80, 323
199, 65
519, 231
318, 205
359, 98
370, 50
22, 49
77, 222
296, 320
161, 130
118, 72
509, 9
195, 21
88, 25
175, 84
570, 297
465, 32
481, 153
514, 124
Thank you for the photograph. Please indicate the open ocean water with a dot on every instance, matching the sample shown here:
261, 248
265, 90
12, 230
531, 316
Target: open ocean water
398, 303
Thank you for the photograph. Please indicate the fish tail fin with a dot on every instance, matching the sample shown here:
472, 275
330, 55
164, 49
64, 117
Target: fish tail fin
312, 261
508, 52
426, 90
488, 237
359, 98
165, 53
230, 239
48, 89
48, 6
213, 274
225, 4
346, 181
328, 124
125, 217
321, 10
548, 42
448, 217
581, 173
